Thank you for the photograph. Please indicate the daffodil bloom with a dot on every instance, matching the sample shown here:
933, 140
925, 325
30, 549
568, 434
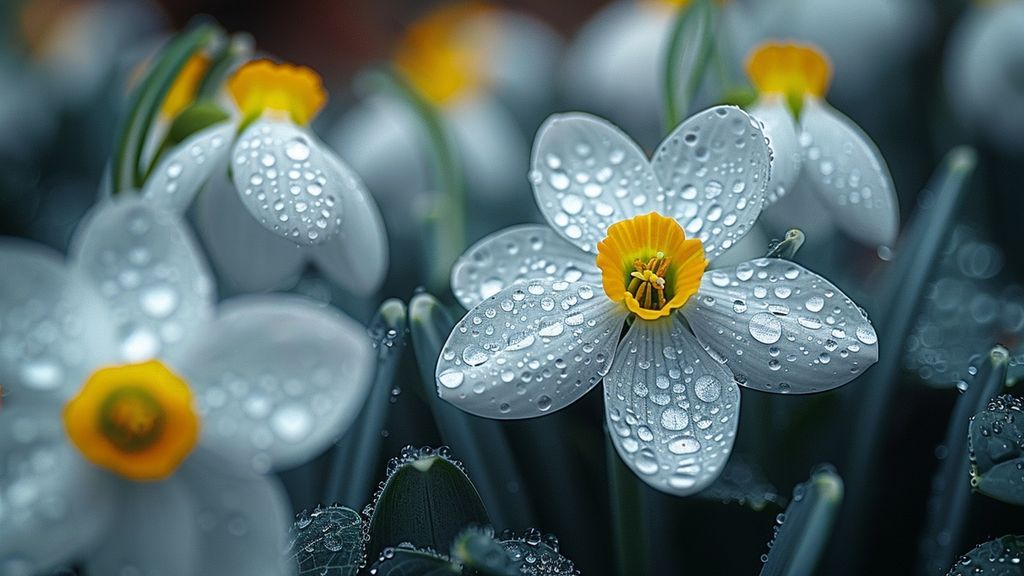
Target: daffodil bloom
139, 420
487, 71
628, 245
983, 71
293, 200
812, 140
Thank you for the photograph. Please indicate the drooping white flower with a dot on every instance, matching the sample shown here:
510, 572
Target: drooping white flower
546, 317
820, 148
139, 420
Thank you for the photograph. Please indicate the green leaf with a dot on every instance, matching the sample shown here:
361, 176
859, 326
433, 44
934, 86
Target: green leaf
127, 172
629, 529
685, 60
951, 489
996, 440
406, 560
427, 500
480, 442
239, 50
803, 531
327, 542
1000, 557
354, 463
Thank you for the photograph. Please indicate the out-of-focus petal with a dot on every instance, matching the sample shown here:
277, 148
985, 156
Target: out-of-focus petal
149, 271
54, 327
787, 156
516, 255
523, 55
289, 181
247, 255
357, 257
492, 149
714, 168
848, 171
781, 328
530, 350
183, 171
672, 410
243, 519
53, 504
276, 378
588, 175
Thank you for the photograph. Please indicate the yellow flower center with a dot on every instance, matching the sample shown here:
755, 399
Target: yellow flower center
183, 92
443, 56
790, 70
136, 420
648, 263
263, 86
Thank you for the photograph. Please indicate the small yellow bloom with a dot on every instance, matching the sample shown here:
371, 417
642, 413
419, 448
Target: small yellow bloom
260, 86
648, 263
136, 420
443, 57
789, 69
183, 92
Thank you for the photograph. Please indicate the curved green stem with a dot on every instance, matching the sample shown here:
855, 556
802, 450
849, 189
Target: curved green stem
689, 48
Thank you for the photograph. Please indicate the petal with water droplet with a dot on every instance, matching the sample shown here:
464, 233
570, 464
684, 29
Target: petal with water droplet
671, 409
787, 156
587, 174
54, 326
53, 504
276, 378
182, 172
247, 256
515, 255
530, 349
714, 168
848, 171
243, 518
357, 257
149, 271
781, 328
290, 182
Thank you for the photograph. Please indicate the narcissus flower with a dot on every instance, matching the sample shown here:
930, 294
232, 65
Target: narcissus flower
628, 245
292, 193
138, 421
983, 71
488, 71
811, 139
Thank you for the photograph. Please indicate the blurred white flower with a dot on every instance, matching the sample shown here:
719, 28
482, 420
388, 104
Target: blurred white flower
294, 199
488, 71
172, 410
546, 319
817, 146
985, 72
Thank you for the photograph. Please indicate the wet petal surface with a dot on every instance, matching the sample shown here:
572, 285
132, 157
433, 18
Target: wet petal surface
182, 172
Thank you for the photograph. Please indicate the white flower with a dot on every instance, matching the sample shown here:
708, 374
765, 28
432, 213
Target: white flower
824, 149
546, 321
983, 71
183, 409
301, 202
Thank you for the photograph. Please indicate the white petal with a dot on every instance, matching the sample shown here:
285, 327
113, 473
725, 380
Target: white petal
787, 156
244, 518
714, 168
277, 378
53, 505
587, 175
672, 410
530, 349
848, 171
150, 272
289, 181
183, 171
247, 255
357, 257
781, 327
154, 531
802, 207
54, 328
515, 255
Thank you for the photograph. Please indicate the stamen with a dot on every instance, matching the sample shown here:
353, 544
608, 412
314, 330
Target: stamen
647, 281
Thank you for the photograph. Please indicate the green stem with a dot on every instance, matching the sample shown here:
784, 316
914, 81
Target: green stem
805, 528
628, 526
685, 60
